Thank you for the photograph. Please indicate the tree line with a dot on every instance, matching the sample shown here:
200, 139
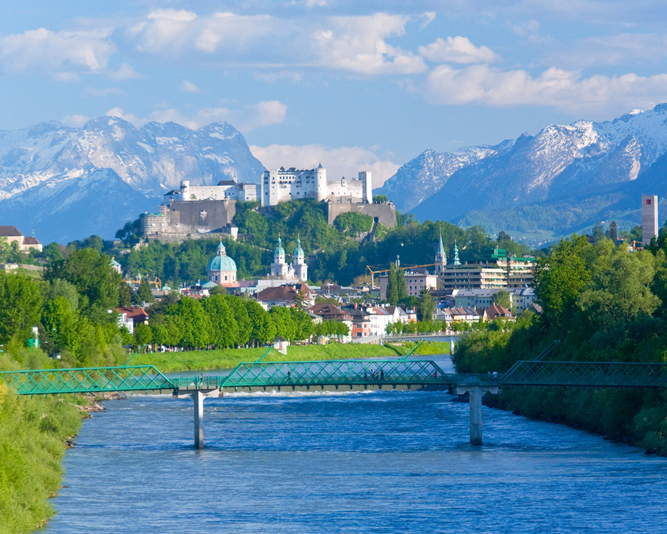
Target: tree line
602, 303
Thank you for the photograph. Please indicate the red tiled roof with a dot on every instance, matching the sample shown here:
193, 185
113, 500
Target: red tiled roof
30, 241
9, 231
134, 311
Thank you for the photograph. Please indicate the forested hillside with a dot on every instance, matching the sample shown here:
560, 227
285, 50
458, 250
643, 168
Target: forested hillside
604, 304
335, 253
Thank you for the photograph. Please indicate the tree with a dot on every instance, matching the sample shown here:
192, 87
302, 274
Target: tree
124, 295
62, 288
303, 323
402, 285
144, 293
612, 231
502, 298
598, 232
380, 199
392, 286
263, 327
225, 327
143, 334
560, 278
193, 323
285, 325
426, 307
240, 313
504, 236
53, 252
20, 306
218, 290
94, 278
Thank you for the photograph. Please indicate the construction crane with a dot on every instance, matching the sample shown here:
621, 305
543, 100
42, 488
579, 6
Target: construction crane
398, 268
156, 283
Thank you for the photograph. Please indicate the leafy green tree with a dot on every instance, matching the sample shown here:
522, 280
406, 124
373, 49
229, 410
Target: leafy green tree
53, 252
380, 199
218, 290
620, 289
402, 286
124, 295
612, 231
144, 293
96, 281
62, 325
225, 327
263, 327
426, 307
62, 288
560, 278
143, 334
20, 306
392, 286
285, 324
193, 323
502, 298
598, 232
303, 323
240, 313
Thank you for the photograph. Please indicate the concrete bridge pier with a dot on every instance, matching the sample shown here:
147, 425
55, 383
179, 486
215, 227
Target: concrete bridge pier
198, 396
475, 394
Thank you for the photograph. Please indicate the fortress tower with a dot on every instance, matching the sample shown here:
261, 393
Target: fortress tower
649, 218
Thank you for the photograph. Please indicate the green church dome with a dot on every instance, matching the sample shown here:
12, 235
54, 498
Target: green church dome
279, 249
221, 262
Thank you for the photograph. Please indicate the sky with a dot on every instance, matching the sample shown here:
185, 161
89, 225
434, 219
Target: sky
356, 85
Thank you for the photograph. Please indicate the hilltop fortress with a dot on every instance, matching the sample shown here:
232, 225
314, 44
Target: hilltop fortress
195, 211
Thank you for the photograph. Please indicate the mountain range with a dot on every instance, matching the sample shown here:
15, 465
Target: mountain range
564, 179
66, 183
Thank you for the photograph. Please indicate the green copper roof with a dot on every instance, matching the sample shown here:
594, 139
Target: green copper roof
298, 251
279, 249
221, 262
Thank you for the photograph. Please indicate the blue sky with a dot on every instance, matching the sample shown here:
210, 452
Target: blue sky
348, 83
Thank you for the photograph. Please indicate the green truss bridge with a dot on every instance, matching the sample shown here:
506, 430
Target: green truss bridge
338, 375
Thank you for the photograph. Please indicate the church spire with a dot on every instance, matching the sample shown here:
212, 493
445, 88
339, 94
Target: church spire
456, 255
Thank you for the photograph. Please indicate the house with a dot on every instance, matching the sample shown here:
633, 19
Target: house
285, 295
496, 310
329, 312
25, 244
131, 317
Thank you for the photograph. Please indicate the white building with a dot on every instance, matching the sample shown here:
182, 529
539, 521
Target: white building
225, 190
281, 270
222, 269
284, 185
416, 282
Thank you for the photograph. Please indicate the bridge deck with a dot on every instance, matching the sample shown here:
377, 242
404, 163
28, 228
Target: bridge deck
337, 373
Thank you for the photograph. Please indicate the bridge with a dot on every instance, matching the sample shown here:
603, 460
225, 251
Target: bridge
345, 375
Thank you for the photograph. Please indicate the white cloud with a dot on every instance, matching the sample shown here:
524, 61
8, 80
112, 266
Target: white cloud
125, 72
339, 162
189, 87
118, 112
428, 17
245, 120
357, 43
564, 90
48, 51
75, 121
530, 29
457, 50
619, 49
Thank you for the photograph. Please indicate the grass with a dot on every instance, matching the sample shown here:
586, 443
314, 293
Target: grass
202, 360
32, 437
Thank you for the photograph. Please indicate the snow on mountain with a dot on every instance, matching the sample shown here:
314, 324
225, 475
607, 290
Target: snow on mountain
47, 169
427, 173
584, 160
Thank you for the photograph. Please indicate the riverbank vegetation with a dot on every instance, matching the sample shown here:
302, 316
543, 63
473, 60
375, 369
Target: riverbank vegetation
202, 360
33, 433
602, 303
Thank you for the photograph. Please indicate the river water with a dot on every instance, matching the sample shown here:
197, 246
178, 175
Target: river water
348, 462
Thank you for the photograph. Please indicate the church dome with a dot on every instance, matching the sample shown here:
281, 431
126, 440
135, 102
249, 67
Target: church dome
298, 251
221, 262
279, 249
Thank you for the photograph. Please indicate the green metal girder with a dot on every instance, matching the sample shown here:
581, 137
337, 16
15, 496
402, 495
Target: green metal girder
88, 380
586, 374
336, 373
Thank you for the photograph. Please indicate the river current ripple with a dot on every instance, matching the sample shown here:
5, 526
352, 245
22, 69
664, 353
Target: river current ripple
348, 462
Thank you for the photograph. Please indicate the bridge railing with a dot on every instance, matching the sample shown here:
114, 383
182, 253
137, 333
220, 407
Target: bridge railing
586, 374
336, 372
86, 380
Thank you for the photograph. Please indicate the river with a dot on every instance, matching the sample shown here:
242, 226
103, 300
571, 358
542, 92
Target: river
348, 462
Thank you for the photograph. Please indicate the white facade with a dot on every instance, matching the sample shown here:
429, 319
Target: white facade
416, 282
225, 190
281, 270
284, 185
